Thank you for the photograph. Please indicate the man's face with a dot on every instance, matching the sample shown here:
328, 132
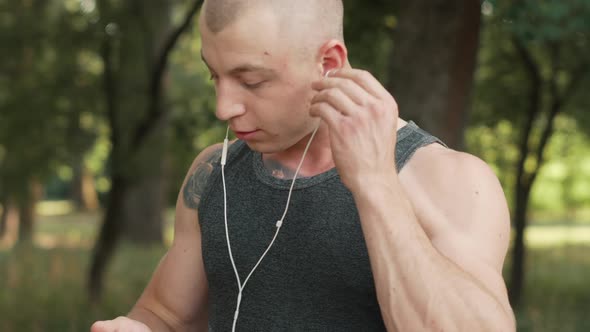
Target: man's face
263, 84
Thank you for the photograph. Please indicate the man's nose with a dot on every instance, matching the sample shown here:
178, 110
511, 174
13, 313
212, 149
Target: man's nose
228, 105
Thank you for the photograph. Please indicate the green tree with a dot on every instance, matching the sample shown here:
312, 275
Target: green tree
44, 87
136, 45
433, 63
537, 61
368, 27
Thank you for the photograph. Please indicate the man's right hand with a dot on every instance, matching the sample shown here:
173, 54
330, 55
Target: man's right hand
120, 324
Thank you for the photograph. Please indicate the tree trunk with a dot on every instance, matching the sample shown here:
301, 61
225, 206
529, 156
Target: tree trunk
433, 63
26, 211
3, 215
144, 204
108, 237
517, 274
135, 55
5, 203
9, 232
135, 48
26, 220
523, 184
83, 190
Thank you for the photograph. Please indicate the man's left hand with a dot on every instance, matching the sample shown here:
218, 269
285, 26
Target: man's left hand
362, 117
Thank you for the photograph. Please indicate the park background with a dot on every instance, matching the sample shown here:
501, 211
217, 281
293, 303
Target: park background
104, 104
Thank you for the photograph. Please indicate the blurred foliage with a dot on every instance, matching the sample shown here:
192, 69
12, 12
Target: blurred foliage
192, 104
550, 20
48, 99
564, 180
52, 105
502, 93
368, 27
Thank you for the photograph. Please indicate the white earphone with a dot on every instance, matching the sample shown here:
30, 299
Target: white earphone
278, 224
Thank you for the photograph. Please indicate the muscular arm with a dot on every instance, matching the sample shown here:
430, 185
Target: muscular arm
176, 297
437, 267
437, 233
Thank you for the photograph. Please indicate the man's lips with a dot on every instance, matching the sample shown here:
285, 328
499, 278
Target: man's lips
238, 132
245, 134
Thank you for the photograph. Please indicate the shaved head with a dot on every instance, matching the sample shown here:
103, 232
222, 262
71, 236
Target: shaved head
298, 18
263, 56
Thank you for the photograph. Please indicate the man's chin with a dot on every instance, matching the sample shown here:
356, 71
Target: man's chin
271, 146
264, 147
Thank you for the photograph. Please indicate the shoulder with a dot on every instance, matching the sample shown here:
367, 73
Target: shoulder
449, 169
198, 175
461, 206
209, 154
456, 192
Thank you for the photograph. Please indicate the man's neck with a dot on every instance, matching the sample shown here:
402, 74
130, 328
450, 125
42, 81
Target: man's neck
318, 159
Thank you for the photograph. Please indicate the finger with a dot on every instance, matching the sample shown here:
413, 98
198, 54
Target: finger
354, 91
100, 326
338, 100
327, 113
365, 79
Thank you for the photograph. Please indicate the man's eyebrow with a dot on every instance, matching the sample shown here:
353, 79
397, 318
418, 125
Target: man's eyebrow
246, 68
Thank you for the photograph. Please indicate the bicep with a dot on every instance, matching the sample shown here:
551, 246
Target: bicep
179, 284
178, 290
477, 226
462, 208
477, 215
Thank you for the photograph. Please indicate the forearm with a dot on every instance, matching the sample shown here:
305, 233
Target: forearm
417, 287
149, 318
157, 320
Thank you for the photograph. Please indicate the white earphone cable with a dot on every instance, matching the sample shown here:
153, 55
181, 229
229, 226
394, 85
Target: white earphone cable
279, 223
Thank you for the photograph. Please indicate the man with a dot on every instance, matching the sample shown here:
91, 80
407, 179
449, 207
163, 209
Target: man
385, 231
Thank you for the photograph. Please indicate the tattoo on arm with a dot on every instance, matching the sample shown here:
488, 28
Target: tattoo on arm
197, 182
278, 170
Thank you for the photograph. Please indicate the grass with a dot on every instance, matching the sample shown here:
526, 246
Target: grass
44, 289
557, 290
43, 286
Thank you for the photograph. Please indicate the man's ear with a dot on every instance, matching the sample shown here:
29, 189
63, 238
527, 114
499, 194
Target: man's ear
333, 55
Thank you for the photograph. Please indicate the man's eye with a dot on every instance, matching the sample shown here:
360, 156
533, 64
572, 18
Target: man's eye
252, 86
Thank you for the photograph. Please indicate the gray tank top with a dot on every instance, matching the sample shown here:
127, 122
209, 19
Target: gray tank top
317, 275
